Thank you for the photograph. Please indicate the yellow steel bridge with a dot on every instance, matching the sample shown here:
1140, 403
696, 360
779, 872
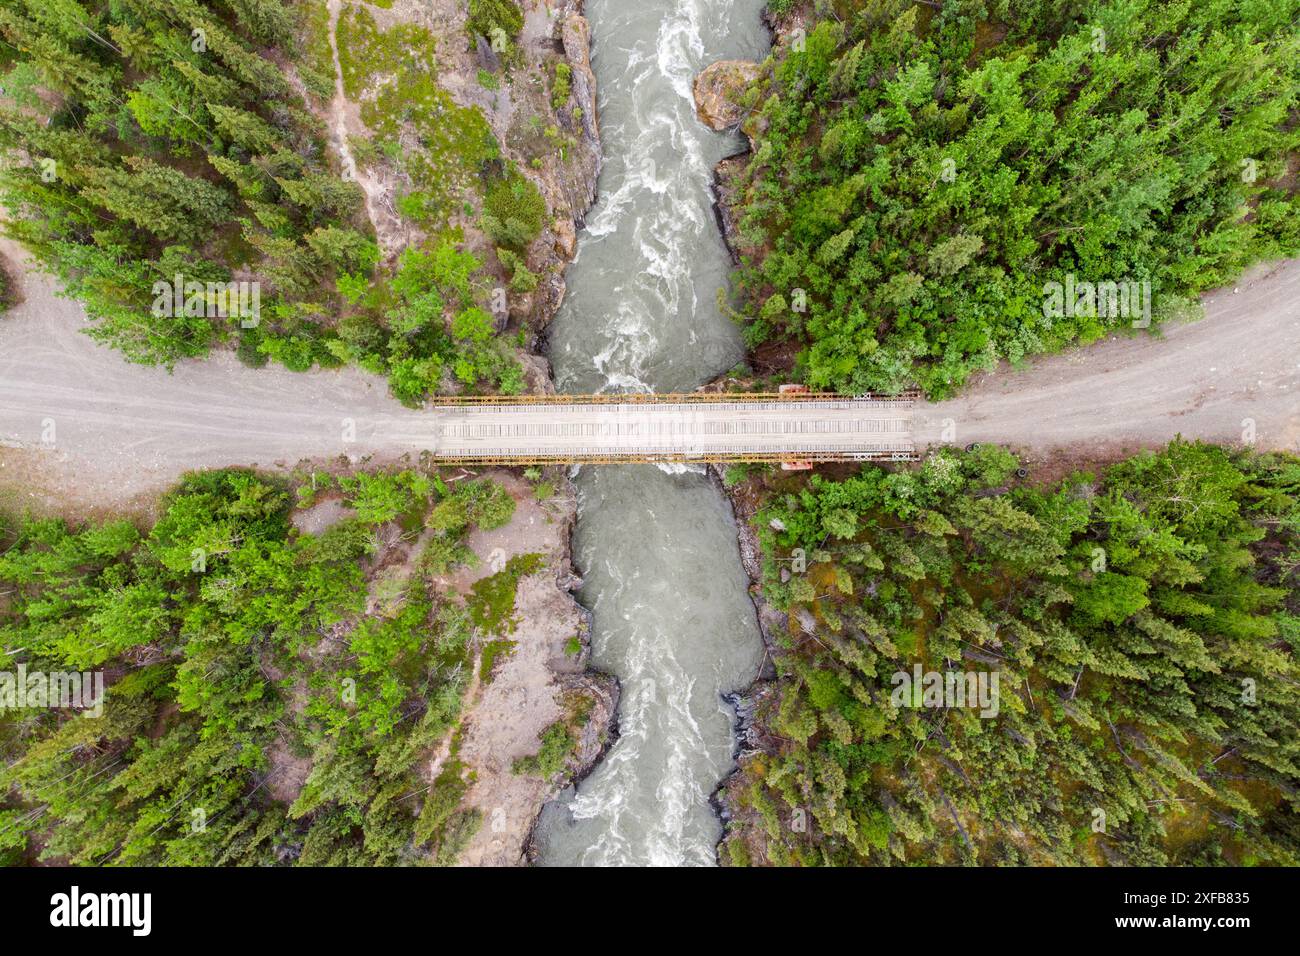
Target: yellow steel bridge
793, 426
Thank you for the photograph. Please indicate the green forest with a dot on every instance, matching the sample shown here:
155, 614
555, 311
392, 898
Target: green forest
922, 171
1142, 622
270, 700
149, 139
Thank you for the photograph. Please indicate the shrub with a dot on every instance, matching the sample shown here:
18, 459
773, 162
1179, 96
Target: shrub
560, 88
513, 211
487, 16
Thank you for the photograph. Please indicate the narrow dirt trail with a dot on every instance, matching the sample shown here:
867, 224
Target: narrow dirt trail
389, 233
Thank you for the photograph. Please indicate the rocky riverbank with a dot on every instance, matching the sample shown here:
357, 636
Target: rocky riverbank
749, 737
545, 679
728, 94
719, 91
541, 683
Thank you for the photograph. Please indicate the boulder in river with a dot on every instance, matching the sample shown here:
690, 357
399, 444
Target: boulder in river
718, 88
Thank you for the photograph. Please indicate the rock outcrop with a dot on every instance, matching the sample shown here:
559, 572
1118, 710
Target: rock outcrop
726, 186
569, 184
718, 89
575, 36
566, 238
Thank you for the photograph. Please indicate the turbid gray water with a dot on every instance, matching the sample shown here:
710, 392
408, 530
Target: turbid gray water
656, 546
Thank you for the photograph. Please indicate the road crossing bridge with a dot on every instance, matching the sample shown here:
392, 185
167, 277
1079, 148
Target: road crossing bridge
793, 426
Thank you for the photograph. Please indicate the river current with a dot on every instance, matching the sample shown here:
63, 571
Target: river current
656, 545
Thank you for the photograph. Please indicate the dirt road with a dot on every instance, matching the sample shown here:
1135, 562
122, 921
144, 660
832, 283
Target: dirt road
79, 424
79, 427
1236, 370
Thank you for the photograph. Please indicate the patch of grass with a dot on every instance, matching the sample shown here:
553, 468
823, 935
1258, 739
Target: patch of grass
737, 852
364, 151
558, 741
573, 646
494, 651
361, 50
411, 521
454, 142
560, 88
513, 211
369, 56
522, 279
419, 205
489, 80
735, 474
393, 77
492, 601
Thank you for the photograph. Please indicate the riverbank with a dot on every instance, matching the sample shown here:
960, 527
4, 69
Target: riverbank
542, 680
749, 739
555, 143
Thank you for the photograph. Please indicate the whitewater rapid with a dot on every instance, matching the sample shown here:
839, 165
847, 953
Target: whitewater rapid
656, 546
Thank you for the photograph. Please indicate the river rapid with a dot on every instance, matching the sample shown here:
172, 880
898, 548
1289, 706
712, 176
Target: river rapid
656, 545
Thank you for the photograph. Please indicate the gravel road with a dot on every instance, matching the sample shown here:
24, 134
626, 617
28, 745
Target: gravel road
78, 424
1207, 379
121, 431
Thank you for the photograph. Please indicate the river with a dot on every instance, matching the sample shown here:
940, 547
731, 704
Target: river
656, 545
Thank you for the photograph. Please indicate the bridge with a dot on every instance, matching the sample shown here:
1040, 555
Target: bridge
793, 426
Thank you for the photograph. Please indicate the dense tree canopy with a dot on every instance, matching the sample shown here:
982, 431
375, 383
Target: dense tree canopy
1143, 627
922, 172
159, 139
269, 699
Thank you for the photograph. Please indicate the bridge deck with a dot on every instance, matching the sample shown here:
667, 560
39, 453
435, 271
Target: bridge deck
801, 428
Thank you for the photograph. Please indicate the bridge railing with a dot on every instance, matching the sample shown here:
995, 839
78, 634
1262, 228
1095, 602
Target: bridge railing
665, 398
669, 457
